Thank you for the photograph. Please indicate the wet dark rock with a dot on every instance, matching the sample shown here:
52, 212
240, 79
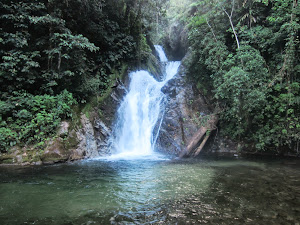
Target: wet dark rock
86, 137
176, 42
104, 130
103, 133
90, 138
183, 105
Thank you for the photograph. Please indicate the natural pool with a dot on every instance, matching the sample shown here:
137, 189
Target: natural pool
187, 191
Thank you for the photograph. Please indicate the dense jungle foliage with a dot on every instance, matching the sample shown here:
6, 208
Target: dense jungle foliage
54, 54
245, 55
242, 54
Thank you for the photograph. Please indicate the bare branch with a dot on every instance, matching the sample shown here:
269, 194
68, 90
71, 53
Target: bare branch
230, 20
212, 31
232, 9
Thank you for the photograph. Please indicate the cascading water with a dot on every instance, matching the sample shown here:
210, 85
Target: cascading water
161, 54
140, 113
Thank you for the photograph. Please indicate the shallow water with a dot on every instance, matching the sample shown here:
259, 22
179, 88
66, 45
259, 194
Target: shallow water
188, 191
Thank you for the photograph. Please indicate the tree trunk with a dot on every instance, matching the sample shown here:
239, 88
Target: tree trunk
212, 31
211, 125
59, 61
198, 150
235, 34
231, 24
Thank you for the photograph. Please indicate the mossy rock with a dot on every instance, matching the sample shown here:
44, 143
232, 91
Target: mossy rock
25, 159
7, 159
31, 156
55, 152
71, 141
36, 158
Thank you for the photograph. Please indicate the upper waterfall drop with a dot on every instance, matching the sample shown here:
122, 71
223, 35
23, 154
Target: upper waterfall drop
141, 112
161, 54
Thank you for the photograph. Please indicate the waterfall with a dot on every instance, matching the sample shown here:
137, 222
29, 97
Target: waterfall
161, 54
141, 111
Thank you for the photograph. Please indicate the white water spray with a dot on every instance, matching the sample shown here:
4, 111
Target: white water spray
140, 114
161, 54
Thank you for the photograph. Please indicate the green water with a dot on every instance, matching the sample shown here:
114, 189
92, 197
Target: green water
202, 191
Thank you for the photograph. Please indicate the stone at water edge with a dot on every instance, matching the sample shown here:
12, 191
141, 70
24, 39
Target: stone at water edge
55, 152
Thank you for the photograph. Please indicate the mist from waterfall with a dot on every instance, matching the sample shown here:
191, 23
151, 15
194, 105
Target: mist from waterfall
141, 112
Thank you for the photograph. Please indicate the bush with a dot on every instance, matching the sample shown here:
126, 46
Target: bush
30, 119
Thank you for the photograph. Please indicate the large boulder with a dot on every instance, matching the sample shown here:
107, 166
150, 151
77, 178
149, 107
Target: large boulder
55, 152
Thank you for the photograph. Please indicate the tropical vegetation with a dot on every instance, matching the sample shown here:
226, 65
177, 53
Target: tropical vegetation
245, 56
242, 55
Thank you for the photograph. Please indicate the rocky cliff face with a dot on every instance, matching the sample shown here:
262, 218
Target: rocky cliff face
183, 109
86, 138
176, 43
92, 134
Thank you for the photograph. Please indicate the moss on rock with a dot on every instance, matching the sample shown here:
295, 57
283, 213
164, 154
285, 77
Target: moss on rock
55, 152
7, 159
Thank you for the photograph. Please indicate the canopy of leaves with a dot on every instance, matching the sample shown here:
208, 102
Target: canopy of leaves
59, 46
256, 84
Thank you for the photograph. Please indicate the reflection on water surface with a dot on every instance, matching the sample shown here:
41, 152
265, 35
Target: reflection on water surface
189, 191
